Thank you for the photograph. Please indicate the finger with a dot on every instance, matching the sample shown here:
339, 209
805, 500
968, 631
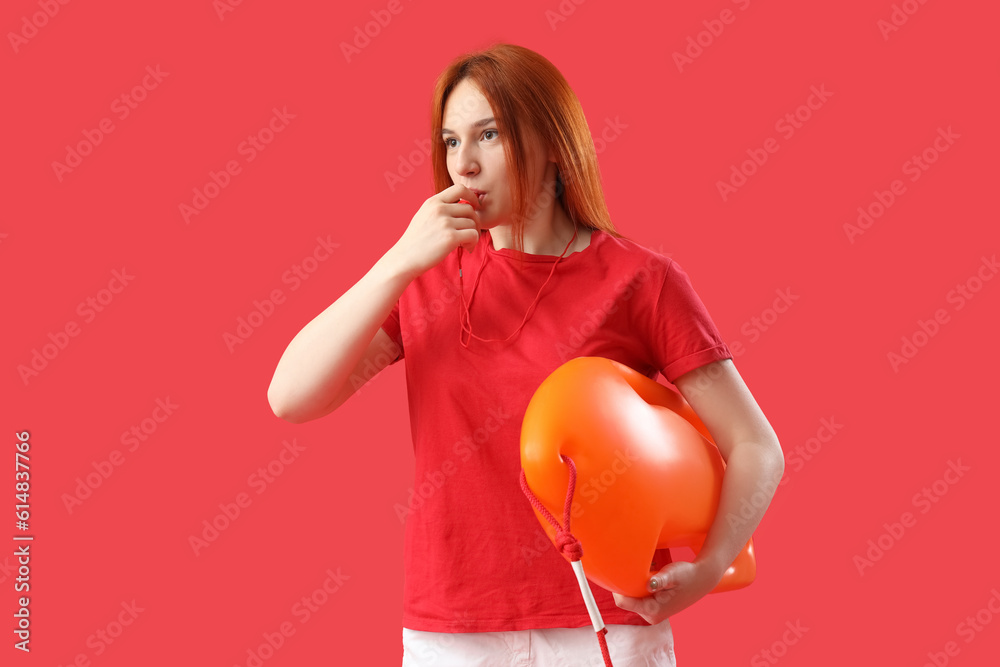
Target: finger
462, 212
470, 197
661, 582
456, 190
624, 601
470, 245
453, 192
461, 221
460, 206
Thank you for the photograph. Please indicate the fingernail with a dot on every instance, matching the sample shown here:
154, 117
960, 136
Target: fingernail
653, 584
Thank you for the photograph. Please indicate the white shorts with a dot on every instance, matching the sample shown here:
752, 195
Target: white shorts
628, 646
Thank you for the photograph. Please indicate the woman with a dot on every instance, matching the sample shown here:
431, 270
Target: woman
511, 269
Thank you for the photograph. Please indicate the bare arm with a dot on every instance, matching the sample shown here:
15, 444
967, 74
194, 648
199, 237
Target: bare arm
319, 369
314, 374
754, 465
748, 444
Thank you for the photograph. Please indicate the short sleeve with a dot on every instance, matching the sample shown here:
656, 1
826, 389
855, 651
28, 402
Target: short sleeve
392, 327
683, 336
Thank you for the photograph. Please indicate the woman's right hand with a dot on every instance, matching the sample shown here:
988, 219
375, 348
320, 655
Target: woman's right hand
440, 225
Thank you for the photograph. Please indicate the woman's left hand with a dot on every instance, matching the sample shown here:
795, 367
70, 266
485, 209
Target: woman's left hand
681, 584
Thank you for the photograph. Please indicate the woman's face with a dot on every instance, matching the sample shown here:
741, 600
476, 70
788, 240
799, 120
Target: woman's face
475, 156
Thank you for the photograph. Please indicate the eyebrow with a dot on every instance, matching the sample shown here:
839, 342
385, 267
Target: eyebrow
478, 123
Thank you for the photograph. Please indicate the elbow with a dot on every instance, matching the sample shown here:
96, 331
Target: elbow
280, 408
284, 415
777, 458
778, 452
287, 411
768, 454
768, 443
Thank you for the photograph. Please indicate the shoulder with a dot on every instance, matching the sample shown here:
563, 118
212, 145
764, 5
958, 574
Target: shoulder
635, 257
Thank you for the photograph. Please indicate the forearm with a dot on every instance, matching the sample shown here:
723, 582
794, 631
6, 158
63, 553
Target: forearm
752, 474
319, 359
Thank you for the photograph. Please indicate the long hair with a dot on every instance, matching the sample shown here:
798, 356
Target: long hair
527, 93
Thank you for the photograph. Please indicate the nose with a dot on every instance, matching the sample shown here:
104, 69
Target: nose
466, 160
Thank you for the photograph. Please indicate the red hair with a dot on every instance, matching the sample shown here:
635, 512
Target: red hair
528, 96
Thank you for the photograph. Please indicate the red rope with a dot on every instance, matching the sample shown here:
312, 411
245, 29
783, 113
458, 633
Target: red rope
566, 542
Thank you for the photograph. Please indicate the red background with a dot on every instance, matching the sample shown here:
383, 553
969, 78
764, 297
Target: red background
324, 175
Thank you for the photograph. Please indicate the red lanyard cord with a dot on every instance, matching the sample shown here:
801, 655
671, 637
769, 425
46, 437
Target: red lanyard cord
568, 545
464, 315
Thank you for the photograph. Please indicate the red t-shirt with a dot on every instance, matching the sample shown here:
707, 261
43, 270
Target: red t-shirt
476, 558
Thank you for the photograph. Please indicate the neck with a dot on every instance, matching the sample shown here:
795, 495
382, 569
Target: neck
547, 233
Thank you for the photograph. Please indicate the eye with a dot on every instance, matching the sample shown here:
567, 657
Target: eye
448, 140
